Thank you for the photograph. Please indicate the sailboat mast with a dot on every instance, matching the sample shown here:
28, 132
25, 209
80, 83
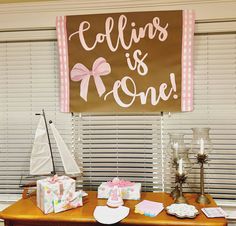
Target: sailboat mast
49, 142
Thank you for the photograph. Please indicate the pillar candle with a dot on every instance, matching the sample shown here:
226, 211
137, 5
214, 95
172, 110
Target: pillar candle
180, 169
201, 146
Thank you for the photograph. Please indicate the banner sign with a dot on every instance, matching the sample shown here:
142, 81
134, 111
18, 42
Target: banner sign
126, 62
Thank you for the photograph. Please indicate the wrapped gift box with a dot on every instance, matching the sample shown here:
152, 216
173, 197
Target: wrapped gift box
129, 190
68, 202
54, 190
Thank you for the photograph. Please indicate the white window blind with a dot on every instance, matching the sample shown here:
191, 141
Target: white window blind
120, 145
28, 83
214, 107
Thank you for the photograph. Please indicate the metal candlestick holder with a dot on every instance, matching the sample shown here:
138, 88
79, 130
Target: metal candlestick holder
175, 192
181, 178
202, 198
175, 150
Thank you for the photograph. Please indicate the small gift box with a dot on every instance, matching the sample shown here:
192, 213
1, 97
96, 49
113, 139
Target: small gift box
55, 189
129, 190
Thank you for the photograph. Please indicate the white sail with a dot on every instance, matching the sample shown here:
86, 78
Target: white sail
40, 161
70, 166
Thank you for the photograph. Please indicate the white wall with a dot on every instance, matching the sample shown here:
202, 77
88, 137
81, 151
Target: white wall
40, 15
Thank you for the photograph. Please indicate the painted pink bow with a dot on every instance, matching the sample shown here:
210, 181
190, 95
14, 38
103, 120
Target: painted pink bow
81, 73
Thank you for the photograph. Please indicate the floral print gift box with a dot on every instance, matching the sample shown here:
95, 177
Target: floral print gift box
129, 190
54, 189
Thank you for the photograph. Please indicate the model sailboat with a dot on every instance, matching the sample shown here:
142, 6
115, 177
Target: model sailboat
41, 161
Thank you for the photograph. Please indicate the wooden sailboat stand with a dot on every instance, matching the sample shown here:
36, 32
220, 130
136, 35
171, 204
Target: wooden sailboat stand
26, 192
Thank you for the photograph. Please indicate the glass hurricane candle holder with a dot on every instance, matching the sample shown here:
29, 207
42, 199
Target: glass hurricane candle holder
183, 169
201, 145
175, 149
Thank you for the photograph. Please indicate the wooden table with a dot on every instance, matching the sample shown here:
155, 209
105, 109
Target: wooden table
25, 213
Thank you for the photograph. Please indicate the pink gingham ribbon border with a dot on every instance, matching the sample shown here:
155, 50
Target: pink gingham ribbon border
187, 60
63, 61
